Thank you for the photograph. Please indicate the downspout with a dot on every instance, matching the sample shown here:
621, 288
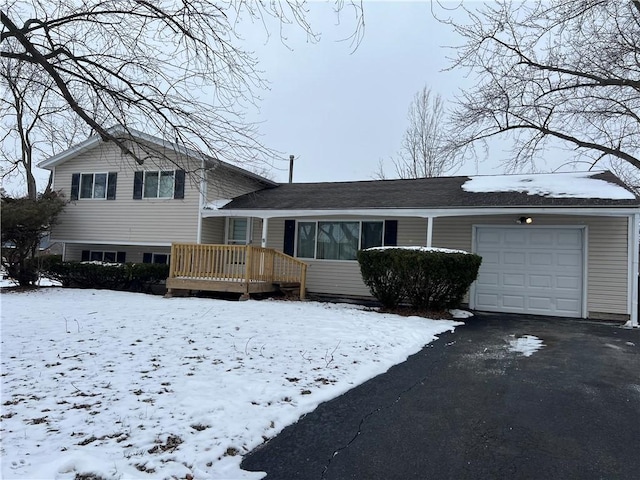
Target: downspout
634, 245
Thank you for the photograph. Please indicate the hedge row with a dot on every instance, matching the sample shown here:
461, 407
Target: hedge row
135, 277
427, 279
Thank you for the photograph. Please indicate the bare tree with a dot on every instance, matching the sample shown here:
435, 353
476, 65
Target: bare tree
422, 153
561, 72
175, 69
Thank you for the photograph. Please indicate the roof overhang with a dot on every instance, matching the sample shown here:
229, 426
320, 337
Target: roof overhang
425, 212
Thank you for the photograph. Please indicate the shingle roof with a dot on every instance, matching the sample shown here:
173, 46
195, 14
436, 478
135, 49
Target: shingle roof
440, 192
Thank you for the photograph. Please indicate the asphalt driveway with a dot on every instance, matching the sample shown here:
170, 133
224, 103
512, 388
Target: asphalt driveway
469, 407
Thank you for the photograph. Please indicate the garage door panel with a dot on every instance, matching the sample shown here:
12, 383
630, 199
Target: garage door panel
570, 239
513, 301
540, 303
542, 238
514, 258
569, 259
544, 259
565, 282
568, 305
540, 281
488, 301
488, 279
517, 237
530, 270
491, 258
513, 280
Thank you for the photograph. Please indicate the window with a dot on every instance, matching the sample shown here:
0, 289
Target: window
158, 184
337, 240
94, 185
103, 256
306, 239
162, 258
239, 231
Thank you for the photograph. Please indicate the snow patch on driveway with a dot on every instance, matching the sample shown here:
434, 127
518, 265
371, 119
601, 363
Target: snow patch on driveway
526, 345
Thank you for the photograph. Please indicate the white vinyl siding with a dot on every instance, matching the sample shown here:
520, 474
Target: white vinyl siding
123, 219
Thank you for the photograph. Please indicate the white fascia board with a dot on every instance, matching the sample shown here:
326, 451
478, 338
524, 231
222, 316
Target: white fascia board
111, 242
68, 154
425, 212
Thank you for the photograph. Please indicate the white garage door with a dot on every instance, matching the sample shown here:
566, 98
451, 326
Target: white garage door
530, 270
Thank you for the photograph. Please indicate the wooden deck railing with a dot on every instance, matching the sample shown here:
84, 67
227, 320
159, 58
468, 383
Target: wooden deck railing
236, 263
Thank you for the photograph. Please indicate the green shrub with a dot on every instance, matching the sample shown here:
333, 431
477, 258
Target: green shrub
137, 277
381, 273
427, 279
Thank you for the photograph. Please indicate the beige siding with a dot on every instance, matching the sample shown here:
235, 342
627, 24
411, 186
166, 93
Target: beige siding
607, 259
124, 219
606, 254
213, 230
225, 184
73, 251
343, 277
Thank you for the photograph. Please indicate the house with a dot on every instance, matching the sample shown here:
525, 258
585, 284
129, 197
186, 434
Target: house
561, 244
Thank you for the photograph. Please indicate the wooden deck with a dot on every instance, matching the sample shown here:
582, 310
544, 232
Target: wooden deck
233, 268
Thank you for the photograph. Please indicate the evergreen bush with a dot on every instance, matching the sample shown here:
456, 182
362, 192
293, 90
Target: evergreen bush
426, 279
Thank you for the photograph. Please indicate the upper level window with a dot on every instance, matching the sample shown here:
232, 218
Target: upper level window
94, 185
158, 184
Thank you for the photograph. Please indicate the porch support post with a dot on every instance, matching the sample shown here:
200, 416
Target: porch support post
634, 244
265, 225
429, 231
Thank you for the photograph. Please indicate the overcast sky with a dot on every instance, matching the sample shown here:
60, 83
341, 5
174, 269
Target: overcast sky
340, 111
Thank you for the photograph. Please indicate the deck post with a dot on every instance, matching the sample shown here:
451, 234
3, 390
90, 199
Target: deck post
303, 281
247, 268
172, 268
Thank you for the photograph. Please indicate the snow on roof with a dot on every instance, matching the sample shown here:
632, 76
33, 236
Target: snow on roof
553, 185
420, 249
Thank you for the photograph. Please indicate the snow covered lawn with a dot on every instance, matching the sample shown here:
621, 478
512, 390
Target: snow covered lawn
123, 385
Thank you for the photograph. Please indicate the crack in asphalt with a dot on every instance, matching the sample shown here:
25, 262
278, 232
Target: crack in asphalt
374, 412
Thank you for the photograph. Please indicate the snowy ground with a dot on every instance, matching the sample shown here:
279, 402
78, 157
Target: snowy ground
133, 386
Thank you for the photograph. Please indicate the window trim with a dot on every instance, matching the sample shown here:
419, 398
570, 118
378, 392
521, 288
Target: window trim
227, 231
111, 179
315, 249
160, 173
178, 184
102, 253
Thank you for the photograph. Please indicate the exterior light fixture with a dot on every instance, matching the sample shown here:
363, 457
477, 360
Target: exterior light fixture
524, 220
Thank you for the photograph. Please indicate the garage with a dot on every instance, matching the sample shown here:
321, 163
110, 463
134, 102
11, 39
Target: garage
534, 270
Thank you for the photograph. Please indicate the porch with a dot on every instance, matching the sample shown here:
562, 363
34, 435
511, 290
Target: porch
241, 269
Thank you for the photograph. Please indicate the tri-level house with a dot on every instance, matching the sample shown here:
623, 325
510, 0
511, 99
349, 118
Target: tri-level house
561, 244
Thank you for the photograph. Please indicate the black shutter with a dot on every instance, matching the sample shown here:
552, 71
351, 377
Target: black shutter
289, 237
178, 187
391, 233
121, 257
137, 185
147, 258
111, 185
75, 186
85, 256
